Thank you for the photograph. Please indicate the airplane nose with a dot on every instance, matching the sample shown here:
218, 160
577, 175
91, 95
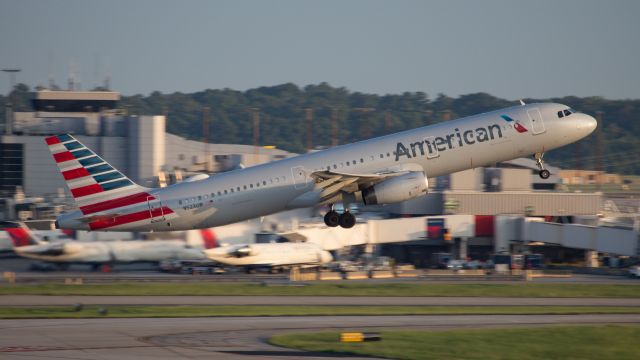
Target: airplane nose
586, 124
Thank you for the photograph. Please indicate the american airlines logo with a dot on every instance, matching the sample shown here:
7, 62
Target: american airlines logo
516, 124
442, 143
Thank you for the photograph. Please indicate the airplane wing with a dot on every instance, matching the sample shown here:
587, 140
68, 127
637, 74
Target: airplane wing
332, 183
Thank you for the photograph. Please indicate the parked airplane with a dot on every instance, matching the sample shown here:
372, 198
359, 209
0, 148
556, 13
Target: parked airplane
382, 170
98, 253
272, 255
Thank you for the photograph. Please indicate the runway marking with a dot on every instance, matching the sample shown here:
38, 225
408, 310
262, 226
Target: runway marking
297, 354
63, 348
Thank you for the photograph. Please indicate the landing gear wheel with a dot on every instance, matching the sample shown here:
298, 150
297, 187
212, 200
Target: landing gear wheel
332, 219
544, 174
347, 220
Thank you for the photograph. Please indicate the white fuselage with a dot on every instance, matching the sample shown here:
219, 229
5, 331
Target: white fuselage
273, 254
480, 140
111, 251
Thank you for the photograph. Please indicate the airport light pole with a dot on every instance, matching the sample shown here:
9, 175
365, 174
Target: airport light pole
255, 112
364, 128
334, 126
309, 123
8, 121
205, 135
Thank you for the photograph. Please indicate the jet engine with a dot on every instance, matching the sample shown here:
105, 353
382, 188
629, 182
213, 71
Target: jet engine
396, 189
243, 251
197, 177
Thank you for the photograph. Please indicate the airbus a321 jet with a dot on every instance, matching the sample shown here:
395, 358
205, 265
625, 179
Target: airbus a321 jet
381, 170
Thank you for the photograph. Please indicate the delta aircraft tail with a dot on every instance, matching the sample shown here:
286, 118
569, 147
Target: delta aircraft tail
19, 234
203, 238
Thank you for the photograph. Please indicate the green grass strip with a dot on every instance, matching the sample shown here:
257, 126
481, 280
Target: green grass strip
123, 311
333, 289
551, 342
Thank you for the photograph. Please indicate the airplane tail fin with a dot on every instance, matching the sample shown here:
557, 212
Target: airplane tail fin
209, 238
19, 233
94, 184
204, 238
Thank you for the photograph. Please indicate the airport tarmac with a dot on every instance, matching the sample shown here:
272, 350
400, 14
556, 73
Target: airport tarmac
226, 338
44, 300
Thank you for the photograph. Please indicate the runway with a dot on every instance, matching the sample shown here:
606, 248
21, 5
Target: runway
44, 300
225, 338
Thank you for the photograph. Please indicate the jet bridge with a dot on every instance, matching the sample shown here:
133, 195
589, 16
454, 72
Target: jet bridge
612, 240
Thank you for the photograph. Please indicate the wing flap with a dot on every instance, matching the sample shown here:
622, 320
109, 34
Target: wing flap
333, 183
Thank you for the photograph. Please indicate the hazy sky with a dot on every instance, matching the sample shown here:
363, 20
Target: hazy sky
512, 49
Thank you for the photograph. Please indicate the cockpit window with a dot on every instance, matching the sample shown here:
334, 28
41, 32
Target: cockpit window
565, 112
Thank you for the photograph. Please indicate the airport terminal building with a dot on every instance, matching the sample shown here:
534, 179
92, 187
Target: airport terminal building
139, 146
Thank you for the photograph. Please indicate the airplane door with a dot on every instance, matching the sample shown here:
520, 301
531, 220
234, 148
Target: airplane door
536, 121
299, 177
155, 209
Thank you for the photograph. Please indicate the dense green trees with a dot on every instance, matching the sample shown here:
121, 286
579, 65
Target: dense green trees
360, 116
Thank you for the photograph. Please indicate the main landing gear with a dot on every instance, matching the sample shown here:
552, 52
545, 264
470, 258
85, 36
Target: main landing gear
543, 173
345, 220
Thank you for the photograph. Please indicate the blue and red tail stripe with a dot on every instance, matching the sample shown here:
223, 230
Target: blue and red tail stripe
85, 172
99, 189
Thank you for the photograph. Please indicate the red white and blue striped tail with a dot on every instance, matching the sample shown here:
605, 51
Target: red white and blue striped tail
95, 185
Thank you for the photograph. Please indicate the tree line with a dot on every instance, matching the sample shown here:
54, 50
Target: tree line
345, 116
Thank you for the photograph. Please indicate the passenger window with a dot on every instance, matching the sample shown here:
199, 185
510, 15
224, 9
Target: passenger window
388, 154
231, 189
264, 183
179, 202
381, 156
335, 166
361, 160
238, 188
251, 186
347, 163
245, 187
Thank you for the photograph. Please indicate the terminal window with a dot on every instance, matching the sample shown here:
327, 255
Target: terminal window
11, 167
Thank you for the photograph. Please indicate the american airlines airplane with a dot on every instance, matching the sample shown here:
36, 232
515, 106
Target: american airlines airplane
382, 170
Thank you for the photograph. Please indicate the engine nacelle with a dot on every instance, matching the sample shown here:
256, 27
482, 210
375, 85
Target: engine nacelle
243, 251
396, 189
